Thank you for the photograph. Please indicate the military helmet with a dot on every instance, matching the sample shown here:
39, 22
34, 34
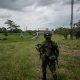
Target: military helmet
48, 33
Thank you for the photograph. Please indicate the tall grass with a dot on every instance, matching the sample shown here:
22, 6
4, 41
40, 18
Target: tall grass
19, 59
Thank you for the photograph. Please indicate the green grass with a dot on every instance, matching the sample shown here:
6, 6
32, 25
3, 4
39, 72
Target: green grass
19, 59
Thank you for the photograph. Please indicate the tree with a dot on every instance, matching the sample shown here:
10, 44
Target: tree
77, 29
63, 31
12, 26
77, 24
4, 30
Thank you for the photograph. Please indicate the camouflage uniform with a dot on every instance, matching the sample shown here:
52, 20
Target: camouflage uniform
48, 53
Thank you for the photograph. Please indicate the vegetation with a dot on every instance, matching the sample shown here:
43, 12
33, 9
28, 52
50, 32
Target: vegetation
19, 59
67, 31
77, 29
63, 31
14, 28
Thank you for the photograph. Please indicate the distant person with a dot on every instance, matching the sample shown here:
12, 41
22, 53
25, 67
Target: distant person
35, 36
49, 53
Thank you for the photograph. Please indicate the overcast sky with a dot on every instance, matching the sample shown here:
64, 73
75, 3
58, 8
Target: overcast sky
38, 13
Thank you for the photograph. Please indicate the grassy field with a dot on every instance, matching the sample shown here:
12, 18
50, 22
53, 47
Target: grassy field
19, 59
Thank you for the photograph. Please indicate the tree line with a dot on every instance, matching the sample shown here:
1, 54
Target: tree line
67, 31
14, 28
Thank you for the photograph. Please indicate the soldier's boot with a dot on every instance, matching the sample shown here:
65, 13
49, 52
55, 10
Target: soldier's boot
54, 77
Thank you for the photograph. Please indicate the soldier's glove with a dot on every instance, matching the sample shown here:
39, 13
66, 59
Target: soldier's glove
38, 47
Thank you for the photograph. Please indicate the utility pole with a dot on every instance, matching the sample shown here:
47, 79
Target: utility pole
71, 24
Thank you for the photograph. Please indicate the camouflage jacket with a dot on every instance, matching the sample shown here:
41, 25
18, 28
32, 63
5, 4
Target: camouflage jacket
49, 49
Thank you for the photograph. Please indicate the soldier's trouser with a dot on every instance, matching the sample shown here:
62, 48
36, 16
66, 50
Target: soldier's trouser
44, 66
52, 68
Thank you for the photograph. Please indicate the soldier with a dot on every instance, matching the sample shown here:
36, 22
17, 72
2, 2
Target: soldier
49, 53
